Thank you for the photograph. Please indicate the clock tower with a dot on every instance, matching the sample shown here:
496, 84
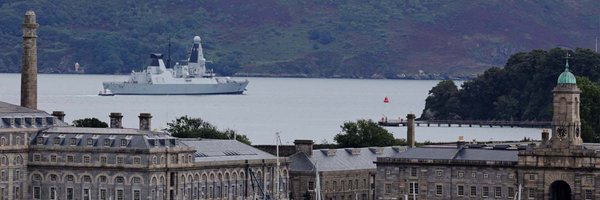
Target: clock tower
566, 124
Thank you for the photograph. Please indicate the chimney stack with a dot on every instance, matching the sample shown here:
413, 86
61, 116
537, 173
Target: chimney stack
60, 115
145, 119
410, 130
305, 146
116, 120
29, 62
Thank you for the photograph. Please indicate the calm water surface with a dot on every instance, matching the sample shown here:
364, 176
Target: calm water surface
297, 108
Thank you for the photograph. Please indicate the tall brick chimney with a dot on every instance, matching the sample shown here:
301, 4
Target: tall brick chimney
145, 119
116, 120
410, 130
29, 62
305, 146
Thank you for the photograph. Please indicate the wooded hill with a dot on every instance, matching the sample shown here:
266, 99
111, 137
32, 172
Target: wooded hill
301, 38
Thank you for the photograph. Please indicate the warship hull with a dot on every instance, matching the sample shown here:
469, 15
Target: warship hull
124, 88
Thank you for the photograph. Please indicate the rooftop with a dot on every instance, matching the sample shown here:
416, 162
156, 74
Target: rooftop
224, 150
341, 159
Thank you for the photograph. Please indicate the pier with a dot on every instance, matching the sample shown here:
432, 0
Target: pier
469, 123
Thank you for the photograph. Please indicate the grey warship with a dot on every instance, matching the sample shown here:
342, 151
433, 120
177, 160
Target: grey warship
190, 79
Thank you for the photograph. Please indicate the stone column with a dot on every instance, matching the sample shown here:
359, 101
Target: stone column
545, 137
116, 120
29, 63
410, 130
145, 121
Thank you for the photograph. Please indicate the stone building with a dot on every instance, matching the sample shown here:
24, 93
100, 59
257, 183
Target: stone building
42, 158
347, 173
560, 167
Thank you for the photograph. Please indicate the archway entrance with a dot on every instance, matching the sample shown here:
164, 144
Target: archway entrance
560, 190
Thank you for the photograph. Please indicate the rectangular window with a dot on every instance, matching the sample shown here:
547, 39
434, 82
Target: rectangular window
17, 175
103, 159
119, 160
473, 174
37, 157
439, 190
461, 174
388, 188
52, 193
413, 188
589, 195
69, 193
37, 193
103, 194
137, 195
486, 175
70, 159
460, 190
531, 193
17, 192
136, 160
86, 194
511, 192
52, 158
119, 194
486, 191
413, 171
311, 185
86, 159
498, 192
532, 177
473, 191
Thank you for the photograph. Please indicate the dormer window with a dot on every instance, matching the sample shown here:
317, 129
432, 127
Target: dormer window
123, 142
56, 141
40, 140
106, 142
73, 141
90, 141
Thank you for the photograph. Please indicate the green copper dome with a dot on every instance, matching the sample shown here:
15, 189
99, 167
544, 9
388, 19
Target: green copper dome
567, 77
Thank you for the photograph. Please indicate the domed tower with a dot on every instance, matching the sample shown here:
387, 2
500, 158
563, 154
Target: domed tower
566, 124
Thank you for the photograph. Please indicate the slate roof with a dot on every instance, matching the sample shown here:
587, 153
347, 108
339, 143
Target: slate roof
428, 153
102, 137
224, 150
13, 116
341, 159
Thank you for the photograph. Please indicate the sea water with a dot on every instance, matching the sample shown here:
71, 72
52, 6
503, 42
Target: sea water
297, 108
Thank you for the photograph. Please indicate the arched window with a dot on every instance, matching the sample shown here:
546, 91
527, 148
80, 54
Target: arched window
154, 182
119, 180
87, 179
102, 179
136, 180
18, 140
53, 177
154, 160
3, 141
70, 178
37, 177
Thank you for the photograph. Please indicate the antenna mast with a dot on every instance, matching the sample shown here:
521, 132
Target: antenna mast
169, 56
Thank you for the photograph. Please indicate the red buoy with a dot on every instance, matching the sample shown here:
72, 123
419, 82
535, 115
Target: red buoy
386, 100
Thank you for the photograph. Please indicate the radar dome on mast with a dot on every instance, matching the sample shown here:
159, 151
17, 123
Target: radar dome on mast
197, 39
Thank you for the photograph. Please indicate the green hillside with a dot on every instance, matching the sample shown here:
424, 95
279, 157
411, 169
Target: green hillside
299, 38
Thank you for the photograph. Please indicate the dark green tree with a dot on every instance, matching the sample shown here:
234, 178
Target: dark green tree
364, 133
442, 102
90, 122
188, 127
589, 109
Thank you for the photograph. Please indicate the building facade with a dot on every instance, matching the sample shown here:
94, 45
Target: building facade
347, 173
560, 167
42, 158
